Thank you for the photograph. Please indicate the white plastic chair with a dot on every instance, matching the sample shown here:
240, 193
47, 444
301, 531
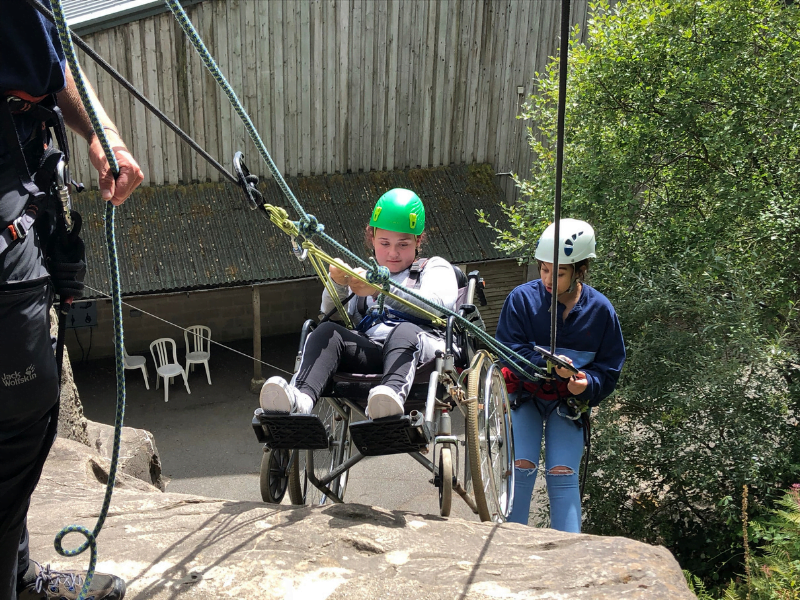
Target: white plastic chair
198, 347
135, 362
166, 368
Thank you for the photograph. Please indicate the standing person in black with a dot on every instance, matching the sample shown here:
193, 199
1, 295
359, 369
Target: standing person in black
33, 70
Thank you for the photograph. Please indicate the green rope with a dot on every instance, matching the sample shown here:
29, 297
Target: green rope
111, 244
309, 226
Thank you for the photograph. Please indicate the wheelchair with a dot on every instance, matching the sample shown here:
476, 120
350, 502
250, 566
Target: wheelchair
310, 455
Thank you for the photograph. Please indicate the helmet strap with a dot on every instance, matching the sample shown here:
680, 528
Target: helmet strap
572, 285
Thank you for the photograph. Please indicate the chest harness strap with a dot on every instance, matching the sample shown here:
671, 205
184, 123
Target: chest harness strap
392, 316
53, 166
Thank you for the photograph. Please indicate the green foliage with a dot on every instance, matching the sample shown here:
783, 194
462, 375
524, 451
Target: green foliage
776, 572
683, 150
698, 588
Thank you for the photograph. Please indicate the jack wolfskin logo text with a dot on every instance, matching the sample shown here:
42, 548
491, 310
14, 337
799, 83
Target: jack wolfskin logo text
16, 378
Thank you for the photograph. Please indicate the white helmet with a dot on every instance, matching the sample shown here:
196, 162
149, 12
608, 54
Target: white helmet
575, 244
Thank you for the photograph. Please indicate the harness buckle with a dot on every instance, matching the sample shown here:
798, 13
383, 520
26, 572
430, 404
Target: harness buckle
17, 105
18, 232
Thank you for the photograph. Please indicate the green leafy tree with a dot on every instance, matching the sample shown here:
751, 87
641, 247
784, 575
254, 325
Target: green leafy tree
683, 150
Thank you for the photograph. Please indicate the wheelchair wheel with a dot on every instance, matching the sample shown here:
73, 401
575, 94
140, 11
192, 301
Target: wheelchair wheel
301, 490
490, 446
499, 448
274, 477
446, 481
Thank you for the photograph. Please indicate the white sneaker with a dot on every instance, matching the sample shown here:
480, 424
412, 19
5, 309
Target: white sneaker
278, 395
383, 401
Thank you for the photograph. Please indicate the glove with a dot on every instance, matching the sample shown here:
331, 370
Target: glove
66, 259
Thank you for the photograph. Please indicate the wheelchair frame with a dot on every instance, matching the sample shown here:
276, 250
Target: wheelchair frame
319, 475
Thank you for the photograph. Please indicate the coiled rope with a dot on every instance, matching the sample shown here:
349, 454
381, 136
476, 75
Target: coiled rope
309, 226
111, 245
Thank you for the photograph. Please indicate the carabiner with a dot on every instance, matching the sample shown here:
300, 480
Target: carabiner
62, 189
246, 181
573, 407
299, 253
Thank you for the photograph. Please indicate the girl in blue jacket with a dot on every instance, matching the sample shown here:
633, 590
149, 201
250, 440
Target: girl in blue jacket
588, 337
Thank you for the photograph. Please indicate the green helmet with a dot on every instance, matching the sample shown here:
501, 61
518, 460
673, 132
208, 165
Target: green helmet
399, 210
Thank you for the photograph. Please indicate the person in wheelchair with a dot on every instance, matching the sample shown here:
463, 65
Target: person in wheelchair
393, 341
589, 338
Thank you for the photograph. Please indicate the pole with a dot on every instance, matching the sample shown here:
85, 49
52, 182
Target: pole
562, 105
258, 380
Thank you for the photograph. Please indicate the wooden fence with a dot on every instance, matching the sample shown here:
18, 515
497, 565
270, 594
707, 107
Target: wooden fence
332, 85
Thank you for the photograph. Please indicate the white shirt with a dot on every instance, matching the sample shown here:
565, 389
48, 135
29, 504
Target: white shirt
437, 282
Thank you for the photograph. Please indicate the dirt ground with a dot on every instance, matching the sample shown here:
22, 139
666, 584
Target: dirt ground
206, 441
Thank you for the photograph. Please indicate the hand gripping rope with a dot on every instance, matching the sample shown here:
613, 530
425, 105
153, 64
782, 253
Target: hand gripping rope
308, 226
111, 245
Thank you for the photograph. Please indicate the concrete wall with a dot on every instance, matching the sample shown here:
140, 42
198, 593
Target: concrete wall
229, 312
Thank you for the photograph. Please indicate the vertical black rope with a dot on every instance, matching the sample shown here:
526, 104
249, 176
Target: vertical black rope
562, 108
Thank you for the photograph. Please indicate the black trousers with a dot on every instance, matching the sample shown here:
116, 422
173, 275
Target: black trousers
28, 382
332, 347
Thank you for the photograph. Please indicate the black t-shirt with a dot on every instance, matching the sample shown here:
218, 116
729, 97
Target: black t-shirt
32, 61
31, 57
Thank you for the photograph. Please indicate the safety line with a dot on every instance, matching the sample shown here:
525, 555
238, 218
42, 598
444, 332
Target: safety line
163, 320
111, 245
561, 110
138, 95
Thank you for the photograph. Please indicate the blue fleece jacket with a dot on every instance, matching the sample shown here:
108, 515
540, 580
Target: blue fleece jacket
591, 335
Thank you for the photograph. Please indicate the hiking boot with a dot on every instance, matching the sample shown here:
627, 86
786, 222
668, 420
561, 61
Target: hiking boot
383, 401
44, 583
278, 395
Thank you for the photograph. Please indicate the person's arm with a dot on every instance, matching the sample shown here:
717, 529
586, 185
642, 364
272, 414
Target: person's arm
77, 119
437, 283
602, 374
515, 329
327, 303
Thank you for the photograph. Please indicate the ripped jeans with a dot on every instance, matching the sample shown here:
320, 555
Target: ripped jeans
563, 453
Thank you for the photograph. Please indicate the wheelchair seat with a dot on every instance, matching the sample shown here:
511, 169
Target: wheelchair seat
356, 386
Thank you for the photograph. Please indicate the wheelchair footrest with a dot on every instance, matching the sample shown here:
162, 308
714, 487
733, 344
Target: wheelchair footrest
392, 435
290, 431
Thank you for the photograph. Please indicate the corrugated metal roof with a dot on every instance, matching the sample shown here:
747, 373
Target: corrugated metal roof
88, 16
202, 236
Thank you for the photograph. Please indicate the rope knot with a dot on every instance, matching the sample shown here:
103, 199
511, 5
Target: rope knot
309, 226
378, 275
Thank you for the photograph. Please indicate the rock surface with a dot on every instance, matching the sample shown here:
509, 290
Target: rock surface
170, 546
138, 455
71, 422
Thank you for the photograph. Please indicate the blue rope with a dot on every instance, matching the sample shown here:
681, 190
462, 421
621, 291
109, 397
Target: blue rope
309, 226
111, 245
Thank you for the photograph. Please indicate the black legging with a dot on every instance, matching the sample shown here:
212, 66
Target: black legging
332, 347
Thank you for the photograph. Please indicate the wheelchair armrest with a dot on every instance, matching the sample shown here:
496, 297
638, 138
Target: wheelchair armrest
448, 334
309, 326
479, 285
